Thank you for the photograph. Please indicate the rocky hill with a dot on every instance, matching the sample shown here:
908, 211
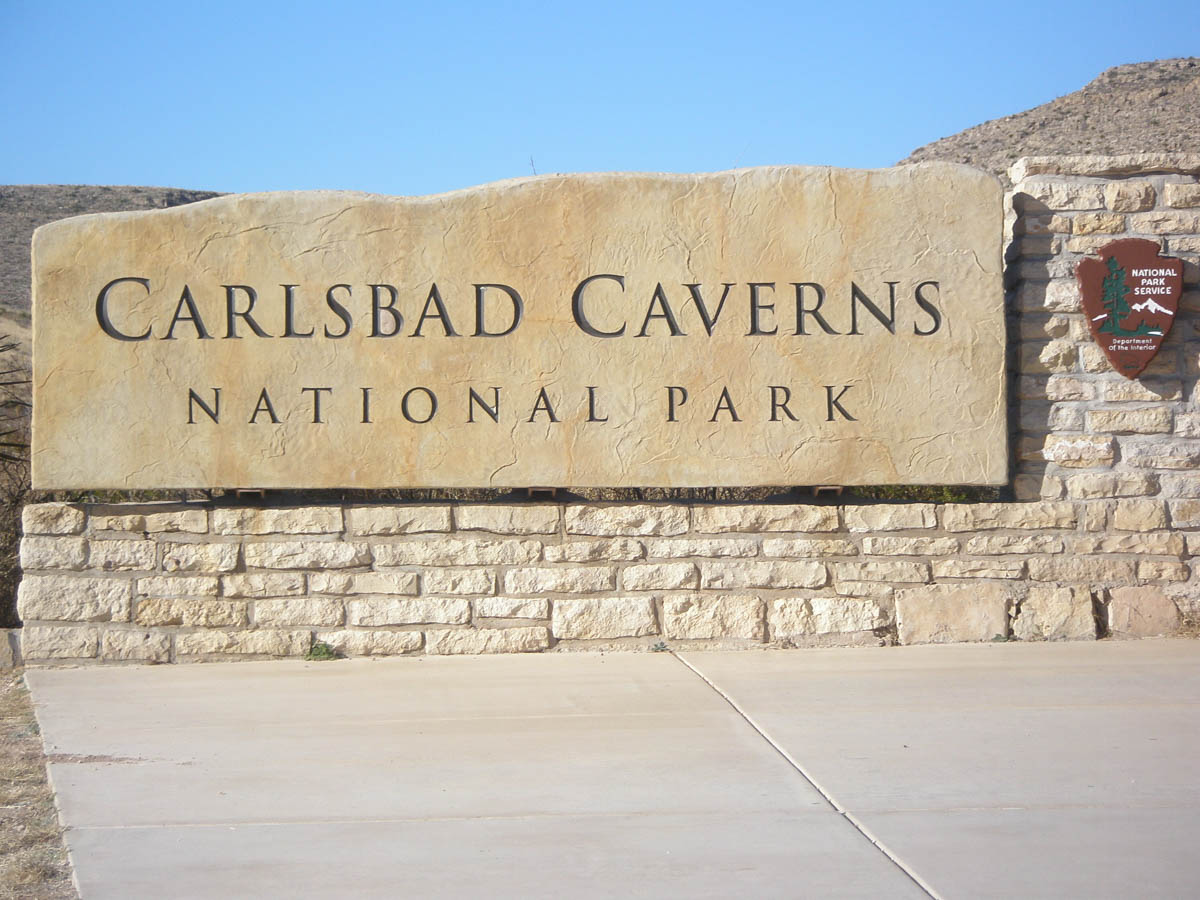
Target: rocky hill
1141, 107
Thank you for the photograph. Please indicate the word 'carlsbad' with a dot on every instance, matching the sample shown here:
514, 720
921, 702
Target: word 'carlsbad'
602, 306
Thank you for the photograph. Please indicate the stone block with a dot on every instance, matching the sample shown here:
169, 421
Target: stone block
910, 546
693, 617
891, 517
1098, 223
59, 642
949, 613
179, 521
1181, 195
881, 570
1162, 454
1029, 516
1102, 485
808, 548
530, 639
1162, 543
1052, 613
1144, 390
793, 617
177, 586
753, 574
626, 520
122, 556
135, 646
1163, 222
508, 519
306, 555
1139, 515
512, 608
458, 581
392, 583
374, 611
1180, 484
1141, 612
297, 520
1082, 570
608, 550
266, 584
712, 548
39, 552
1184, 513
1048, 357
52, 518
73, 599
1162, 570
451, 552
1062, 388
371, 643
391, 520
1187, 425
197, 612
215, 558
864, 589
1079, 451
560, 581
759, 518
1150, 420
299, 611
608, 617
1023, 544
1129, 196
1002, 567
264, 642
1057, 195
660, 576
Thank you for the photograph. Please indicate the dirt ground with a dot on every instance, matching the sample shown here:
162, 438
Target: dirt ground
33, 857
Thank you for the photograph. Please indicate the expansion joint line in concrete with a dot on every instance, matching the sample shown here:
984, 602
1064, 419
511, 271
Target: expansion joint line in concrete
854, 821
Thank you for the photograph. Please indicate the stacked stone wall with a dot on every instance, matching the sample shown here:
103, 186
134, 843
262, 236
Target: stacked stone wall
1100, 540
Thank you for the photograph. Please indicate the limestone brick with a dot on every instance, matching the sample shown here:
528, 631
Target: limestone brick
1082, 570
1187, 425
1143, 390
881, 570
891, 517
713, 548
910, 546
39, 552
610, 549
1129, 196
608, 617
346, 642
264, 642
583, 580
1048, 356
694, 617
1161, 543
1151, 420
458, 581
1162, 570
626, 521
453, 552
1078, 451
297, 520
370, 611
1001, 567
1162, 454
1023, 544
135, 646
191, 611
1162, 222
1100, 485
266, 584
52, 518
793, 617
1184, 513
59, 642
1068, 387
1029, 516
753, 574
864, 589
488, 640
392, 520
807, 548
761, 518
660, 576
947, 613
118, 556
1095, 515
215, 558
179, 521
1098, 223
177, 586
508, 519
1059, 195
306, 555
1139, 515
1054, 613
299, 611
1181, 195
1141, 612
73, 599
512, 608
1180, 484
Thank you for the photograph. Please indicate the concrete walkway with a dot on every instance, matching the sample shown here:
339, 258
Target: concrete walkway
1012, 770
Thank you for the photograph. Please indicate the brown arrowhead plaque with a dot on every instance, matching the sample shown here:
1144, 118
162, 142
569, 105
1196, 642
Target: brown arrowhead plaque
1130, 295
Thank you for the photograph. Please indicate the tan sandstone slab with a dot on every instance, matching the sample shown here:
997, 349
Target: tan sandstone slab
784, 325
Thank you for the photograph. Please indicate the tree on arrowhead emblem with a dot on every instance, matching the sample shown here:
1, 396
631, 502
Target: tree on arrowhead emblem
1114, 298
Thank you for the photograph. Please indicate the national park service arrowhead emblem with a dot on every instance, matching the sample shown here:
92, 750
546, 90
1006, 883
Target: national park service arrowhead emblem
1130, 295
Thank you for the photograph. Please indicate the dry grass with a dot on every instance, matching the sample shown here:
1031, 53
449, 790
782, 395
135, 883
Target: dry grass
33, 857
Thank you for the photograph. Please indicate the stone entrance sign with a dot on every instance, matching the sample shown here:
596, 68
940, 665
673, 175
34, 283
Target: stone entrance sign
766, 326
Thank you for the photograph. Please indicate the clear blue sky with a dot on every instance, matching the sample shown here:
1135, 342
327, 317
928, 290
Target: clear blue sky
416, 98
